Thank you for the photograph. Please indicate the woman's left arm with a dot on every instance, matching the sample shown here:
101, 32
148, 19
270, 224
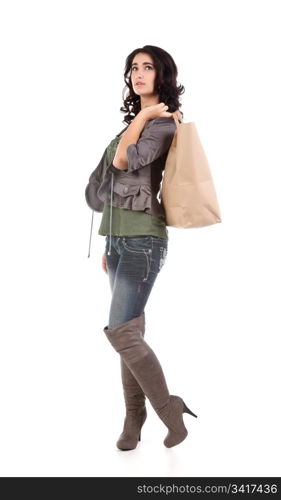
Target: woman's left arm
130, 136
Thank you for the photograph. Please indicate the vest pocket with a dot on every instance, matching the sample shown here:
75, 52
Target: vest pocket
134, 197
125, 190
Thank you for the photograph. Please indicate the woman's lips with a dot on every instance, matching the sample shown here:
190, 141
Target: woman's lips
139, 84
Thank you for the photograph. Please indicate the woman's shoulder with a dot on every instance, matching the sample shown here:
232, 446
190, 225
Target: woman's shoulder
162, 122
160, 126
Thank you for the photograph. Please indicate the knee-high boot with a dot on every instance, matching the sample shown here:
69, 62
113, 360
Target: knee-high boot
134, 402
127, 340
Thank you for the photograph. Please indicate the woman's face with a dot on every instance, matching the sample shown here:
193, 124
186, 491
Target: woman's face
143, 71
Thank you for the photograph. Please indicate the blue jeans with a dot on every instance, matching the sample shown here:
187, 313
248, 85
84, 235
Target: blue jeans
133, 267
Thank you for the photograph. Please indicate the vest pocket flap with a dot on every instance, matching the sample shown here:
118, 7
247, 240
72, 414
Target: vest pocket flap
125, 189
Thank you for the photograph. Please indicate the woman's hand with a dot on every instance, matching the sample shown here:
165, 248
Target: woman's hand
104, 266
159, 110
156, 111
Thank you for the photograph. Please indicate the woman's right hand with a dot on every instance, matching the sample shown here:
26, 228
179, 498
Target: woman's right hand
156, 111
104, 266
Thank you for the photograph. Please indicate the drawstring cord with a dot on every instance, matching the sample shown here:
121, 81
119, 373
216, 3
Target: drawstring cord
91, 233
110, 220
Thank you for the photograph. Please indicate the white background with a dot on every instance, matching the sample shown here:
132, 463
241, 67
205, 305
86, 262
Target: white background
213, 317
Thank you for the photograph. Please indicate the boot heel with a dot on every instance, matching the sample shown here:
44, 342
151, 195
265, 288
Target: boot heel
187, 410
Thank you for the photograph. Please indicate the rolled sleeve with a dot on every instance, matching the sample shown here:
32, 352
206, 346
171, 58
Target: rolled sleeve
113, 169
154, 142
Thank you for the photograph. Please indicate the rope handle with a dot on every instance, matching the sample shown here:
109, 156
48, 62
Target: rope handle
177, 120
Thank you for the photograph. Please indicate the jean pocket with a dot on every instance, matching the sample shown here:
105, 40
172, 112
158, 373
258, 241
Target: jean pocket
138, 244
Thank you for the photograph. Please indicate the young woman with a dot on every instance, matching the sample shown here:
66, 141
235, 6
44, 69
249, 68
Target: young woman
133, 221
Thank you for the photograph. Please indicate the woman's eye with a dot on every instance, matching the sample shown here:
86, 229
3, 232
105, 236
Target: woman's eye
145, 67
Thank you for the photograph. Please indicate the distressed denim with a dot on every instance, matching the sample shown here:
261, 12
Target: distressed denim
133, 267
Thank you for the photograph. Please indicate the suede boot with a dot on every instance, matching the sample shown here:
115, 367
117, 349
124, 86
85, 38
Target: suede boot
135, 405
127, 340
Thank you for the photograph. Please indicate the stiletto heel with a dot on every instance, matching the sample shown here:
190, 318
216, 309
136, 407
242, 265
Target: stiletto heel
187, 410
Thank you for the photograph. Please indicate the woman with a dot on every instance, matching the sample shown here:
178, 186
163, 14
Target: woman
127, 181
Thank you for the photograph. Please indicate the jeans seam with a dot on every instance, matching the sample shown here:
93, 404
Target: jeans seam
150, 252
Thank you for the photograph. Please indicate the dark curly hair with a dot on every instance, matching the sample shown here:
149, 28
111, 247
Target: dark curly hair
165, 82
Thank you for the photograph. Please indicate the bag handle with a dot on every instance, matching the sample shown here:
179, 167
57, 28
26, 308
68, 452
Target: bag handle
177, 121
